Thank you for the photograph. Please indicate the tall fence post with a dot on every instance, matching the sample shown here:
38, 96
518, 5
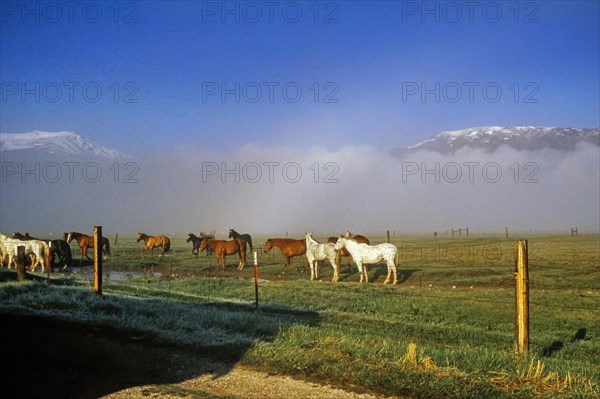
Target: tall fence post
48, 260
388, 236
521, 296
98, 260
20, 260
256, 280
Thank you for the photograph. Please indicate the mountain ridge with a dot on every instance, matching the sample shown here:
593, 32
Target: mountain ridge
63, 142
491, 138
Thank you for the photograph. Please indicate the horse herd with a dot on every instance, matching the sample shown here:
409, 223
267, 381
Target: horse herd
39, 250
356, 246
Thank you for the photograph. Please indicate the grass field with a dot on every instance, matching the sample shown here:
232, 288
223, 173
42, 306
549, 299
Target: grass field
447, 330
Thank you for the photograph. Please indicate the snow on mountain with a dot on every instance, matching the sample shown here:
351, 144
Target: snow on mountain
55, 143
490, 138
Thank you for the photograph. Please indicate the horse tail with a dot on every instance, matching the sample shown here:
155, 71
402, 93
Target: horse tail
396, 258
167, 244
250, 242
107, 246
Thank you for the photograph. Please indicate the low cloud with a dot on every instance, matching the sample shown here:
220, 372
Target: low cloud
273, 190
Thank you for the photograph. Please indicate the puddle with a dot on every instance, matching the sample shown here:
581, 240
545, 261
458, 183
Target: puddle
116, 275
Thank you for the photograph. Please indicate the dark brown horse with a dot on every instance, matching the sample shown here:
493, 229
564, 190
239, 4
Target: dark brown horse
151, 242
344, 252
289, 248
246, 237
196, 241
222, 248
84, 241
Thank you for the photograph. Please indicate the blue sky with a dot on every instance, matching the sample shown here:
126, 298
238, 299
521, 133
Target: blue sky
161, 68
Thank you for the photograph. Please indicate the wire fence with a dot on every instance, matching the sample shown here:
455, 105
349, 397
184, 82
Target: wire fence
442, 269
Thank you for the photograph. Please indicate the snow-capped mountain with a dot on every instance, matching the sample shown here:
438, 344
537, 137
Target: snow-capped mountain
64, 143
492, 137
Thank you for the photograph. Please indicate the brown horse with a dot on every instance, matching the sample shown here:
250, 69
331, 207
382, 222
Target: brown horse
222, 248
289, 248
84, 242
151, 242
344, 252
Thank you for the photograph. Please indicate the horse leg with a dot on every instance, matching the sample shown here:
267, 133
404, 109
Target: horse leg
242, 260
395, 272
360, 271
33, 262
85, 253
336, 274
389, 273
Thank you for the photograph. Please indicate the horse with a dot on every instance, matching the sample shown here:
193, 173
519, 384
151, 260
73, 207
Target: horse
367, 254
32, 247
246, 237
222, 248
58, 247
343, 252
316, 252
196, 241
151, 242
289, 248
84, 242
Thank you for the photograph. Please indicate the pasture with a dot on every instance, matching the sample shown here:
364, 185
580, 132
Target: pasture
445, 331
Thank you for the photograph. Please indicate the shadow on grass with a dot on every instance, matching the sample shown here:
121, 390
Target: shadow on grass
378, 273
556, 346
59, 358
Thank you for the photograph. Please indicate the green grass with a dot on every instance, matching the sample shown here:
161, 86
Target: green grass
446, 331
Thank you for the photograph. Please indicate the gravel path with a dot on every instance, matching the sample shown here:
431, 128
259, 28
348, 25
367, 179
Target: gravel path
243, 383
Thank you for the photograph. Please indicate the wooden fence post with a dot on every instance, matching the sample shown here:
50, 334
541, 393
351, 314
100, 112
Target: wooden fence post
20, 259
98, 259
388, 236
521, 296
256, 280
48, 260
506, 231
